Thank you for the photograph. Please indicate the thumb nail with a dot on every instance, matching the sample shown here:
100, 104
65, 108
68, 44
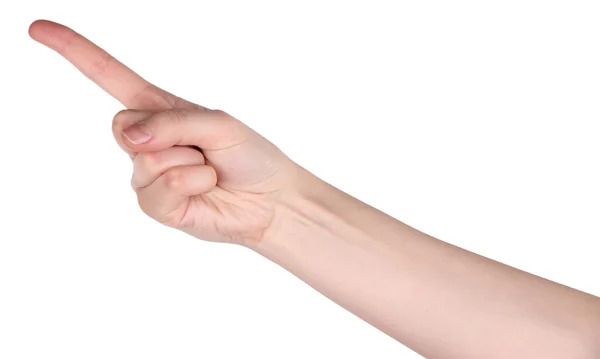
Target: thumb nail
136, 135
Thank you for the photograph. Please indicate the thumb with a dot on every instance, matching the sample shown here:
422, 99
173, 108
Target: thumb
207, 129
125, 119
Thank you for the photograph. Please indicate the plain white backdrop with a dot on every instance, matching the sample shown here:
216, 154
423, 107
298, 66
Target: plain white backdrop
475, 122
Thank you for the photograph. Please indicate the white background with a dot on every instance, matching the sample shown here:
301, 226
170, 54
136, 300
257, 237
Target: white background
473, 121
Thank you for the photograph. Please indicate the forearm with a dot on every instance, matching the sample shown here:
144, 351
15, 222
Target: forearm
440, 300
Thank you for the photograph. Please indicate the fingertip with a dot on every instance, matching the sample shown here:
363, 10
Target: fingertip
50, 33
38, 27
212, 176
33, 28
199, 179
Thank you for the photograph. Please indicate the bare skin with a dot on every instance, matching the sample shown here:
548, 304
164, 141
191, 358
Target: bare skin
206, 173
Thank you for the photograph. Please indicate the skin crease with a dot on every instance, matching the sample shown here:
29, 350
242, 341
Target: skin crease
206, 173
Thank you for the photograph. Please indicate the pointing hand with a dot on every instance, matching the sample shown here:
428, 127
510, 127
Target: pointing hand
197, 170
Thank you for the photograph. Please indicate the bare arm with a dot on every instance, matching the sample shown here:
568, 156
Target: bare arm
205, 173
439, 300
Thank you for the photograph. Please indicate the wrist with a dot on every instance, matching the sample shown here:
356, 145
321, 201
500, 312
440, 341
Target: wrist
313, 216
297, 212
338, 245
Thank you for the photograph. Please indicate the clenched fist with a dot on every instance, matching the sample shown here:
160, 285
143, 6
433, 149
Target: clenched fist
195, 169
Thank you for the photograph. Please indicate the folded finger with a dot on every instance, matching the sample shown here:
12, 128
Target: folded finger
167, 199
149, 166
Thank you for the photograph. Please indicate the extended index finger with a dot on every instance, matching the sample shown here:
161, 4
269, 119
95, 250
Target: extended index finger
112, 76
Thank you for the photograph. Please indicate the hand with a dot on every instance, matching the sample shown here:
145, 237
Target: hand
198, 170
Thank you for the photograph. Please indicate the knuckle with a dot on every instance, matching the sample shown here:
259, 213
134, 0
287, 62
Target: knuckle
230, 122
67, 43
101, 64
145, 164
219, 112
173, 123
179, 102
236, 130
119, 118
173, 179
221, 115
175, 116
149, 161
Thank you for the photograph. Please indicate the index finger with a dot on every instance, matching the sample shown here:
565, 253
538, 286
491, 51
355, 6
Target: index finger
112, 76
